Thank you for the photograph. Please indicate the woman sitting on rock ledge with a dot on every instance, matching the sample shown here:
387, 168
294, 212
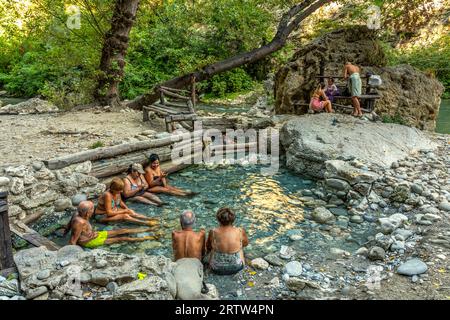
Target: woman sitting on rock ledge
136, 187
111, 208
157, 179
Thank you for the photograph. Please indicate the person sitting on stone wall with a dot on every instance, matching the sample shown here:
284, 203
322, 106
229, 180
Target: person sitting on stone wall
157, 179
136, 186
187, 243
316, 104
111, 208
225, 245
83, 234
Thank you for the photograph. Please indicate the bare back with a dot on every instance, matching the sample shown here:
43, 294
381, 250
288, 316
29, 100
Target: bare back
351, 69
227, 239
188, 244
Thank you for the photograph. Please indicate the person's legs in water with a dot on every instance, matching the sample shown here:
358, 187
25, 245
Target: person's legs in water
128, 239
119, 232
142, 199
127, 218
169, 190
153, 198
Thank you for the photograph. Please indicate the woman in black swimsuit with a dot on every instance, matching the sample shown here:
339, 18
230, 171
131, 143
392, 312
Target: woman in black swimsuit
157, 181
136, 187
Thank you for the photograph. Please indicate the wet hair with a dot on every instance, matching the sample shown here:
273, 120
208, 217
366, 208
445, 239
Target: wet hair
225, 216
151, 158
130, 169
187, 219
116, 185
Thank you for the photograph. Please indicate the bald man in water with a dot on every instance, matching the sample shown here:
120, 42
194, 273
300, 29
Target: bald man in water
84, 235
187, 243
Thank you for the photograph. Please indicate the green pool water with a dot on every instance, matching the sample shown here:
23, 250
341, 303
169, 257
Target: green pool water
443, 120
270, 208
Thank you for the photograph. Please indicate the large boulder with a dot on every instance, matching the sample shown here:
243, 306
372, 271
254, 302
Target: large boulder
34, 105
311, 140
188, 275
405, 91
59, 274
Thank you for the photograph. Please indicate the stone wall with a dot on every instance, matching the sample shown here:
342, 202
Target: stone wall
405, 91
35, 190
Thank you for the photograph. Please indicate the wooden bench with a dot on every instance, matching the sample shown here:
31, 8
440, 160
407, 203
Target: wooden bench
368, 100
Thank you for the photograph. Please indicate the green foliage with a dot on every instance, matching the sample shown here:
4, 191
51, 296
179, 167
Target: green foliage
394, 119
97, 144
433, 59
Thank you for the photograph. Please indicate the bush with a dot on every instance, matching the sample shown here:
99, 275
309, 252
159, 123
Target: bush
98, 144
394, 119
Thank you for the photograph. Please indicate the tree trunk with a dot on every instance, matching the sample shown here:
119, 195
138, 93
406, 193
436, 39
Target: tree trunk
289, 22
114, 50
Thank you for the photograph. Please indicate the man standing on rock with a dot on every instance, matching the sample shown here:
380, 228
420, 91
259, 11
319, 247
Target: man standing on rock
351, 72
187, 243
84, 235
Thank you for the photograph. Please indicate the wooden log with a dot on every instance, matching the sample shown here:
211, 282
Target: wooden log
110, 167
181, 117
33, 237
6, 252
177, 105
174, 95
109, 152
174, 90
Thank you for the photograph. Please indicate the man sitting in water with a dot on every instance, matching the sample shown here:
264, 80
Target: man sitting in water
351, 72
187, 243
84, 235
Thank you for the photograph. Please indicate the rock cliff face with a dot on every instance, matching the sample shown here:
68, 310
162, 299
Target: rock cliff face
311, 140
405, 92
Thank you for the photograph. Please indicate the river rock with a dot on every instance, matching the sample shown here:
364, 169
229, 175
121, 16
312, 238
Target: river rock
150, 288
274, 260
4, 181
36, 292
338, 184
376, 253
34, 105
444, 206
259, 263
311, 140
416, 188
188, 275
295, 284
339, 211
323, 215
78, 198
9, 288
62, 204
293, 268
17, 186
412, 267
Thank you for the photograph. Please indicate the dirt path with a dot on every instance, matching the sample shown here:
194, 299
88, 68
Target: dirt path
26, 138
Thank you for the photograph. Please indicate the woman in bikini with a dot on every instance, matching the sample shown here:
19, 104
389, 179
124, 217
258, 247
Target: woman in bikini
225, 245
111, 208
136, 187
157, 179
316, 104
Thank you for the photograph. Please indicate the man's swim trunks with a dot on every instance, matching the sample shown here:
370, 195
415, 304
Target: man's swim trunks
98, 241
